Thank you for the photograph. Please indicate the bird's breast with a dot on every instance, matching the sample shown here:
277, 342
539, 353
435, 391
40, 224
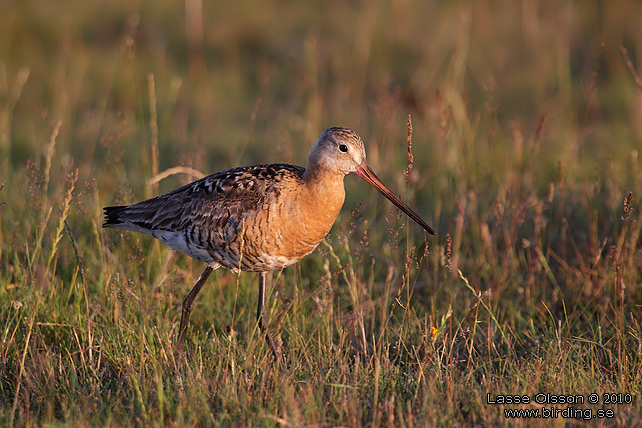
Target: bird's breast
291, 227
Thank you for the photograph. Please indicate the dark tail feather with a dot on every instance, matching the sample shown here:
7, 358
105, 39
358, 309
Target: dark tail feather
111, 215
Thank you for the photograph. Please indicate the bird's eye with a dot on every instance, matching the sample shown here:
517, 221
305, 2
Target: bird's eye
343, 148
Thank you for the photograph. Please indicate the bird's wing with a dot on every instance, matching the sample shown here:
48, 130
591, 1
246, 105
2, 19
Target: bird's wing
209, 203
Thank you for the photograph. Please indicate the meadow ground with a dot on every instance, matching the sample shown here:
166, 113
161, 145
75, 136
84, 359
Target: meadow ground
526, 139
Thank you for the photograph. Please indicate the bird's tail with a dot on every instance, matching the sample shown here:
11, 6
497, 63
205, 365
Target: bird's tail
128, 217
111, 215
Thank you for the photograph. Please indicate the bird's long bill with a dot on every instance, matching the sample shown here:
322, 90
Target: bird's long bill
369, 176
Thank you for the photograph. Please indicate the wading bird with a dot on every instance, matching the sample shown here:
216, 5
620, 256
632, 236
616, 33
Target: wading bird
256, 218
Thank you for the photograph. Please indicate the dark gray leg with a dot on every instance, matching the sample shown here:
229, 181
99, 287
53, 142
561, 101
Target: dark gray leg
262, 320
187, 306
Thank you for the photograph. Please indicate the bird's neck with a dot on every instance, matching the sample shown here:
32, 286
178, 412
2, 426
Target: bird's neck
316, 174
325, 195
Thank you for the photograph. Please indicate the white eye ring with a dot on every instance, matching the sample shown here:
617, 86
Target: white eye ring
343, 148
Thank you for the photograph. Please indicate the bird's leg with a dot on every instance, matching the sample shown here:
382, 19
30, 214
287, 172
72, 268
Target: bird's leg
261, 318
187, 306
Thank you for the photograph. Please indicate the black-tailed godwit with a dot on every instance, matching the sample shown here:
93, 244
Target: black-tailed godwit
256, 218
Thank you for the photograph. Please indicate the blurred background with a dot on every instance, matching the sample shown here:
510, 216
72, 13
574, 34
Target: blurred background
526, 134
252, 82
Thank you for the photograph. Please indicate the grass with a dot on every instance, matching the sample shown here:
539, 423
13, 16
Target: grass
525, 157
